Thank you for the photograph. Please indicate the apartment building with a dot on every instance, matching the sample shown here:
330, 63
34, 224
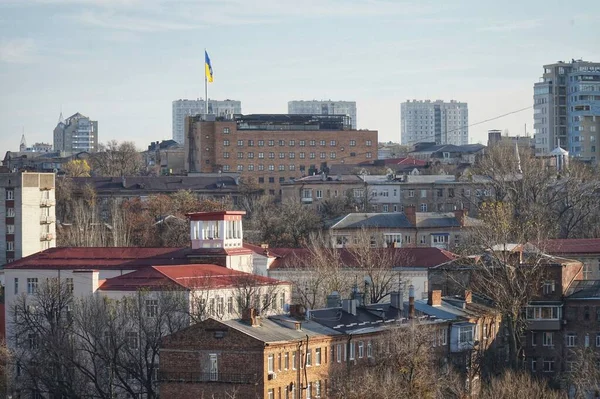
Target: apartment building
324, 107
75, 134
437, 121
184, 108
585, 250
297, 355
27, 207
393, 193
274, 149
403, 229
565, 99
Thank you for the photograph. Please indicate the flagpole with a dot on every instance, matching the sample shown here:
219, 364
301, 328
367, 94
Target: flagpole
205, 86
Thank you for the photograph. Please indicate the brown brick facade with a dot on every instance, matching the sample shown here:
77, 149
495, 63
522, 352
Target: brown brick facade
272, 156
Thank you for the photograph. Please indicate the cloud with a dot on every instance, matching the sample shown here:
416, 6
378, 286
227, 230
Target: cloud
512, 26
17, 51
111, 20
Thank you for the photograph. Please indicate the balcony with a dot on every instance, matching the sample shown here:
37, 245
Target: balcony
544, 325
199, 377
46, 219
46, 237
46, 202
307, 200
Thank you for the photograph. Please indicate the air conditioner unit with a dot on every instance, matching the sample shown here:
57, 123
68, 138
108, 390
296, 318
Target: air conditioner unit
272, 376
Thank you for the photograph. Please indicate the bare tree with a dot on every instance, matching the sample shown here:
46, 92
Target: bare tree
582, 376
117, 159
513, 384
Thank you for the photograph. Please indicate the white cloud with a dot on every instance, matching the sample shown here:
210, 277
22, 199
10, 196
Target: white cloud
17, 51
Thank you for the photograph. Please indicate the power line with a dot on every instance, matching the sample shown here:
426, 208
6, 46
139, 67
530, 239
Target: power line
491, 119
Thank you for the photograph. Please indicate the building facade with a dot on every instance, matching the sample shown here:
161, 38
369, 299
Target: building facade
75, 134
27, 204
184, 108
274, 149
437, 121
323, 107
566, 100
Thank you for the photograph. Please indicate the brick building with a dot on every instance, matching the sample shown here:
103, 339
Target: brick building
274, 148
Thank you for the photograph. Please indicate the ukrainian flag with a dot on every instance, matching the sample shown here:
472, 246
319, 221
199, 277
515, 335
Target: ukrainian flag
207, 67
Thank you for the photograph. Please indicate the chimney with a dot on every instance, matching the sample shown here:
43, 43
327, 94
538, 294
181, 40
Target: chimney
249, 316
411, 302
459, 214
333, 300
468, 296
435, 298
297, 311
409, 212
349, 306
396, 301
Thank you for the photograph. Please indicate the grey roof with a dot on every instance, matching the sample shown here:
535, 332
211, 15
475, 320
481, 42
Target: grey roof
373, 220
281, 329
584, 289
463, 149
107, 185
442, 219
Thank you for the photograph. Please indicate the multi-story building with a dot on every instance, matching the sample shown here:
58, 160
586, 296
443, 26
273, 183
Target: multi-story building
324, 107
165, 158
585, 250
185, 108
448, 154
27, 203
37, 147
496, 138
437, 121
381, 193
274, 149
406, 229
76, 134
566, 96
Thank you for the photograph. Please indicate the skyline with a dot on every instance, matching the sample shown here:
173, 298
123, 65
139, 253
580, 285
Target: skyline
123, 62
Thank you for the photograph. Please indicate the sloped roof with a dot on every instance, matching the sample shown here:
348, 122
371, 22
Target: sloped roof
373, 220
90, 258
584, 289
104, 185
572, 246
467, 148
207, 276
296, 258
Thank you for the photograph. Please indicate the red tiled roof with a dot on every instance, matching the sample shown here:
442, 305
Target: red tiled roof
101, 258
184, 276
289, 258
257, 249
572, 246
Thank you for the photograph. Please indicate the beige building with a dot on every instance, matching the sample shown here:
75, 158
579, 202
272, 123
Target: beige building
27, 203
75, 134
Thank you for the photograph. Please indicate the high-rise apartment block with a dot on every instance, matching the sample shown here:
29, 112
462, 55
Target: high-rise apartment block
27, 209
274, 149
183, 108
434, 121
76, 134
315, 107
567, 109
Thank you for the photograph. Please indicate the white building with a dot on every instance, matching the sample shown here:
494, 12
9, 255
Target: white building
324, 107
27, 209
434, 121
183, 108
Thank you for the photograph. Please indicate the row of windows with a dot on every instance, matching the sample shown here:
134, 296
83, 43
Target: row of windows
312, 390
292, 143
32, 285
571, 340
291, 155
216, 306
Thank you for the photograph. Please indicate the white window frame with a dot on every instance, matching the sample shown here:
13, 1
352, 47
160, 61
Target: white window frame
32, 284
338, 353
548, 339
317, 356
571, 340
271, 364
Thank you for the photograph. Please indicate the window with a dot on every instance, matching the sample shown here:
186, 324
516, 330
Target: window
571, 339
338, 351
225, 168
318, 389
230, 305
369, 349
308, 390
322, 155
271, 155
250, 143
251, 167
423, 193
32, 285
543, 313
322, 143
549, 287
10, 194
586, 313
261, 143
10, 245
271, 364
313, 143
352, 143
281, 143
282, 155
271, 180
10, 212
361, 349
548, 366
292, 167
10, 229
271, 143
225, 155
302, 155
281, 168
271, 167
369, 155
225, 143
286, 361
309, 357
465, 335
597, 339
533, 338
352, 350
423, 207
302, 143
332, 143
369, 143
261, 179
16, 286
32, 338
411, 193
271, 394
292, 155
317, 356
220, 305
294, 361
131, 340
319, 193
281, 179
225, 130
240, 143
534, 365
548, 339
586, 341
292, 143
240, 155
312, 155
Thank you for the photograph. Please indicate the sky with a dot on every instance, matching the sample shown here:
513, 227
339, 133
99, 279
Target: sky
123, 62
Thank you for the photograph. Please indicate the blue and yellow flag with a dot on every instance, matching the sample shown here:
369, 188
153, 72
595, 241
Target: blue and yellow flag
207, 67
